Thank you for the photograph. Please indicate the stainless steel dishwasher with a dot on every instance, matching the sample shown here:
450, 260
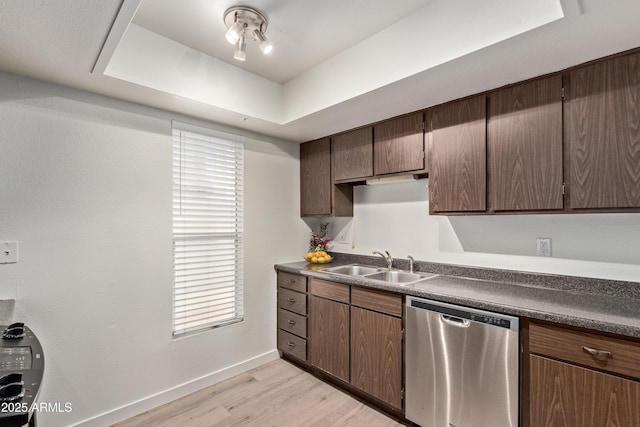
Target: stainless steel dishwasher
462, 366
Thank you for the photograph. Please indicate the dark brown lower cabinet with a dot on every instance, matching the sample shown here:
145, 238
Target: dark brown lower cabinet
565, 395
329, 336
376, 355
355, 334
292, 315
580, 378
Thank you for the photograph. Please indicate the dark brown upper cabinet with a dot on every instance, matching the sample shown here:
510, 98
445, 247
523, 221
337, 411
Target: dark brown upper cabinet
524, 146
457, 156
318, 195
399, 145
603, 134
353, 154
564, 143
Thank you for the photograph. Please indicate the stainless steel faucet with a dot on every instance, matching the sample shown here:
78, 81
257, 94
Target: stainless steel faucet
411, 261
386, 257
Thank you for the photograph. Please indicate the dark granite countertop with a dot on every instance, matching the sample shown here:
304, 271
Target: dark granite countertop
602, 305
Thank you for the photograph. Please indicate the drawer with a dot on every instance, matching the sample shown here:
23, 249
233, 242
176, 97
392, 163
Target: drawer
292, 301
291, 344
292, 322
292, 281
383, 302
574, 346
330, 290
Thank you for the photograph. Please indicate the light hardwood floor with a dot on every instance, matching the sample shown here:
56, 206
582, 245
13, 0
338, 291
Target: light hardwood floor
275, 394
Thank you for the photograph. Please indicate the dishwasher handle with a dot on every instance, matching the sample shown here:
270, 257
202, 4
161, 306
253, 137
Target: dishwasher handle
455, 321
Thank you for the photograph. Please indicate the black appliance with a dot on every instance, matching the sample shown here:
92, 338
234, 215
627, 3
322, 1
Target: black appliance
21, 370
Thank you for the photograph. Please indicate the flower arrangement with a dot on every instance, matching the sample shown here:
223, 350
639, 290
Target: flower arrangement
318, 245
319, 240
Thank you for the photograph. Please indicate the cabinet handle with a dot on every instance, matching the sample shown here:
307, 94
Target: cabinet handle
292, 281
291, 344
291, 300
292, 322
597, 353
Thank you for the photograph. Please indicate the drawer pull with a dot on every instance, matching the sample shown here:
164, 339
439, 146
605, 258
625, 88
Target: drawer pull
291, 344
291, 300
292, 281
291, 322
601, 354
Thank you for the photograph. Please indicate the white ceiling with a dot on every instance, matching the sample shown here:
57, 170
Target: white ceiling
346, 63
304, 33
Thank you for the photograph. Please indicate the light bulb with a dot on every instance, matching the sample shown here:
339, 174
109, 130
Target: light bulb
241, 50
264, 44
234, 32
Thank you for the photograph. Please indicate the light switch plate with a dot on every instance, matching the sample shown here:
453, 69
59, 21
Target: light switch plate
8, 252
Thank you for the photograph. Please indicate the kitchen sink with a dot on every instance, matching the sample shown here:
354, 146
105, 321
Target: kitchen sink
375, 273
399, 277
352, 270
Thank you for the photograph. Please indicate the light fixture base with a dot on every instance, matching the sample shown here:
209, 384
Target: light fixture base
253, 19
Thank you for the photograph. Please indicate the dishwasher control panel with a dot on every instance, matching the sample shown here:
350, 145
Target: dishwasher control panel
475, 315
490, 320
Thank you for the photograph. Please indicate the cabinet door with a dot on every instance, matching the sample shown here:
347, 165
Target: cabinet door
564, 395
376, 355
524, 143
398, 145
353, 154
603, 134
318, 195
458, 156
315, 177
328, 340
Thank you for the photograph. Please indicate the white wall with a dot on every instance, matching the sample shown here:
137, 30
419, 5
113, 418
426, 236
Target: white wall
395, 217
85, 188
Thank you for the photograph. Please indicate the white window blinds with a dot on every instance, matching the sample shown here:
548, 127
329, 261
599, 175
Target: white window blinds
207, 228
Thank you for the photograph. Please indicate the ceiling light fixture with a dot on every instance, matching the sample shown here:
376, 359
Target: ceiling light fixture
243, 22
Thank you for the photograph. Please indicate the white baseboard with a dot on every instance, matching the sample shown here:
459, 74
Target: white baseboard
166, 396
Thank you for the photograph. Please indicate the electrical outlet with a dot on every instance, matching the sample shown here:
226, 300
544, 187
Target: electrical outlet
543, 246
8, 252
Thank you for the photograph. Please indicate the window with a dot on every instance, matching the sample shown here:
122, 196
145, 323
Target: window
207, 228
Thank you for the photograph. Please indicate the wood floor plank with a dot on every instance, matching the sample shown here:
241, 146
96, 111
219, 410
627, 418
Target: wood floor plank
274, 369
364, 416
259, 407
275, 394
